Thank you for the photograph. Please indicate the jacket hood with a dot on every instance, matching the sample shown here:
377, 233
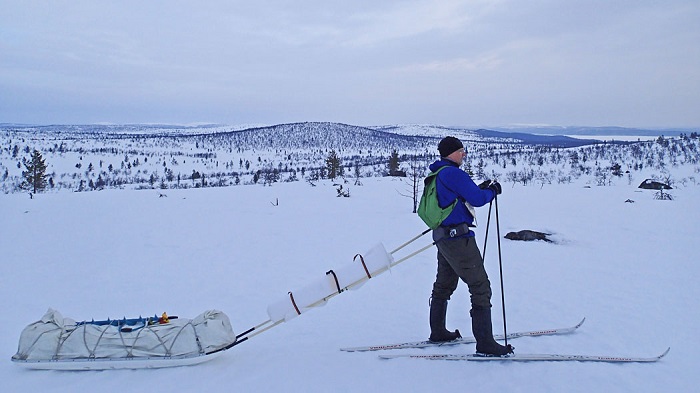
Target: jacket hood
441, 163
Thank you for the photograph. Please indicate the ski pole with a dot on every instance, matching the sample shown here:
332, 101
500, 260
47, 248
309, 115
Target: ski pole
500, 267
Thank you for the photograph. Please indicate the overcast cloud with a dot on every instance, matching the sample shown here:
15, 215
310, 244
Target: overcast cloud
629, 63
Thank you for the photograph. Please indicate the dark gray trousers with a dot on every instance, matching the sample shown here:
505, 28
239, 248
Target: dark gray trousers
460, 259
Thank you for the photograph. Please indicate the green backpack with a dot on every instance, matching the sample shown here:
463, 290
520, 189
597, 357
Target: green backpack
429, 209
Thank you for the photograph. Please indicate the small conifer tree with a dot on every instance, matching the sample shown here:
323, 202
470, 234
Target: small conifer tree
35, 173
393, 165
333, 165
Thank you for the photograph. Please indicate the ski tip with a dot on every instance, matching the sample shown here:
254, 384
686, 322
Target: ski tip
581, 323
665, 352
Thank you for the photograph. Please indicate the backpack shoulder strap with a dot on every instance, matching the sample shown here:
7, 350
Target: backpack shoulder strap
444, 184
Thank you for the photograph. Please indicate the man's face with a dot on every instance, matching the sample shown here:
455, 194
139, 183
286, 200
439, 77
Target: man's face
458, 156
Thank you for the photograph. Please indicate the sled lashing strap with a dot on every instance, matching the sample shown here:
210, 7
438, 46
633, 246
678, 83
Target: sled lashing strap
291, 297
335, 277
363, 264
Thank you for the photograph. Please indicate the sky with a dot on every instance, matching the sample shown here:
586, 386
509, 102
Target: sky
630, 63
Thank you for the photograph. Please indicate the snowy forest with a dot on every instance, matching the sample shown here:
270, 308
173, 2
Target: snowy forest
89, 158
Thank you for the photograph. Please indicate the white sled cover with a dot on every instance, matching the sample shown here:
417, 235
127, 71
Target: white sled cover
316, 294
57, 338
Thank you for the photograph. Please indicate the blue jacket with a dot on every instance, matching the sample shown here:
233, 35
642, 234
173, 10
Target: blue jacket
452, 182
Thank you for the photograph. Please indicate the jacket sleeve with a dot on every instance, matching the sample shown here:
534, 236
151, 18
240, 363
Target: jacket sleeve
463, 185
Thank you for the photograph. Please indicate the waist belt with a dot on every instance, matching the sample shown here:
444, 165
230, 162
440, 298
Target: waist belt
440, 233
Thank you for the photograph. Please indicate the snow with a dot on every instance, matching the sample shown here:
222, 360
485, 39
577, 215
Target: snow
629, 268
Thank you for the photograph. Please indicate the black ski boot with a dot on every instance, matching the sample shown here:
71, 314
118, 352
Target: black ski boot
483, 332
438, 332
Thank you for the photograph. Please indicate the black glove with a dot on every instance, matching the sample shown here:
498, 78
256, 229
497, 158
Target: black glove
495, 187
484, 185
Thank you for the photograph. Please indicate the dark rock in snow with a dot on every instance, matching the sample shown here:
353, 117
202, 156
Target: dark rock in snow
649, 184
528, 235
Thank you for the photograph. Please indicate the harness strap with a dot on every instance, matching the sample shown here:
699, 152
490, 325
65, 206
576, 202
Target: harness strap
453, 231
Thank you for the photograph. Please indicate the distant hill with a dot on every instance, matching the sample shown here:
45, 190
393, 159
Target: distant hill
340, 136
319, 135
487, 136
595, 131
305, 135
534, 139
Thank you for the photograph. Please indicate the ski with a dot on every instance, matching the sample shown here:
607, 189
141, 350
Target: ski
525, 357
463, 340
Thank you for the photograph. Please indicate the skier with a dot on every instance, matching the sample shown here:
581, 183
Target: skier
458, 255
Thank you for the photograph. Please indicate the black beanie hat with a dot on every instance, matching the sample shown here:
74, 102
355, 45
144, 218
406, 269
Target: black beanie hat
449, 145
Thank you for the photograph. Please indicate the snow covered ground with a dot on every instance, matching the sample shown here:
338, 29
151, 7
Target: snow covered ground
630, 268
